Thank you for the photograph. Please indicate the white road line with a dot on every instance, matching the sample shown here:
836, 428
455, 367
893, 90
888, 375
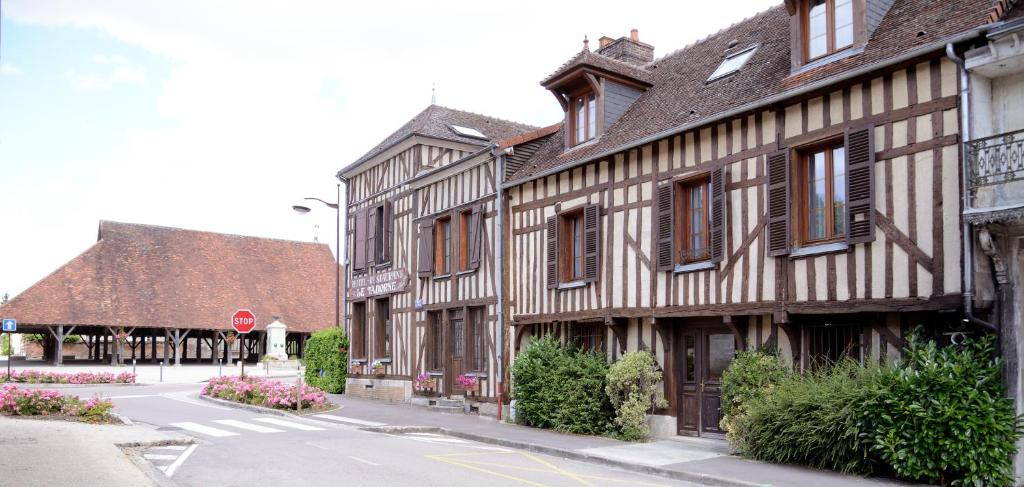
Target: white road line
364, 461
177, 463
206, 430
183, 396
289, 424
246, 426
155, 456
135, 396
343, 419
170, 447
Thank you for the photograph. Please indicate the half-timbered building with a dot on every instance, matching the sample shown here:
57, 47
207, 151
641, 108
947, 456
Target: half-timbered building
421, 295
791, 181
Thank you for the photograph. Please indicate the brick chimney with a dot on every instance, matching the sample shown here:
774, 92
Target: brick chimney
627, 49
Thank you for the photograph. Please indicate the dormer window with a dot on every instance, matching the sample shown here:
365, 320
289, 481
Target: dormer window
584, 119
828, 27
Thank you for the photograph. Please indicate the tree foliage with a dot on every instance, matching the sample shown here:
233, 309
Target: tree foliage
326, 359
634, 388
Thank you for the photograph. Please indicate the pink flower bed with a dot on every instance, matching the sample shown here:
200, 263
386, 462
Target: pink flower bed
37, 402
41, 377
263, 392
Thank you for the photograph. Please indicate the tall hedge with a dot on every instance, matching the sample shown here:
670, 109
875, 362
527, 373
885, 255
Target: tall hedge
561, 388
326, 364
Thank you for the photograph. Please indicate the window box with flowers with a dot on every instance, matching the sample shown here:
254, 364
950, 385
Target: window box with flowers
377, 368
470, 383
356, 369
425, 384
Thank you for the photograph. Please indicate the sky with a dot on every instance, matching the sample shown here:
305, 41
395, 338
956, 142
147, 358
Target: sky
219, 115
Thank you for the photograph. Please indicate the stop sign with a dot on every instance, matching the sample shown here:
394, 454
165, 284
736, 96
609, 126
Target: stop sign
243, 321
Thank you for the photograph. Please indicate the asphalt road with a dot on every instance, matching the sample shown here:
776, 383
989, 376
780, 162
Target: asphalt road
243, 448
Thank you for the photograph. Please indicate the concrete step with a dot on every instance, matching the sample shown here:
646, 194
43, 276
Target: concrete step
447, 403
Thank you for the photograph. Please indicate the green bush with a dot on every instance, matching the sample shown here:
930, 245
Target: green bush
944, 417
5, 344
326, 364
634, 386
38, 338
811, 419
751, 375
561, 388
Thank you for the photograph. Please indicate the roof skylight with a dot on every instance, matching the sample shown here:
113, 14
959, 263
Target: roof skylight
733, 63
468, 132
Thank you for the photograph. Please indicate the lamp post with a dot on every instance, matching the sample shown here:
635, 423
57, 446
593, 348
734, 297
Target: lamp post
302, 210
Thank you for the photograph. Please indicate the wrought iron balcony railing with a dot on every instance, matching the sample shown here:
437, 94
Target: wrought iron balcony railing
998, 159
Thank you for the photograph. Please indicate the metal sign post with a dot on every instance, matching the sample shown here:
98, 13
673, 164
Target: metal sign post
243, 321
10, 324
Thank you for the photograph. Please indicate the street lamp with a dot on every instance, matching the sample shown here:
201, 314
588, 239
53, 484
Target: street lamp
302, 210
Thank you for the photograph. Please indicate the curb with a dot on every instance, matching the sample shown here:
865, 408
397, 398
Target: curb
263, 410
57, 385
702, 479
132, 451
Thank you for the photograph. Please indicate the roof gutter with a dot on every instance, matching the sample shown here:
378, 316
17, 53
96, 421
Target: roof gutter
937, 45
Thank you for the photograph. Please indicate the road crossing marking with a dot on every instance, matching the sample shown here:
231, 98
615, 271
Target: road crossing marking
289, 424
247, 426
158, 456
343, 419
170, 447
206, 430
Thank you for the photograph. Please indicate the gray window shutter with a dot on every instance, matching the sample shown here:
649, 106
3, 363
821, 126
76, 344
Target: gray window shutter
591, 242
359, 257
778, 203
386, 232
552, 252
717, 242
665, 227
371, 236
860, 185
425, 257
476, 230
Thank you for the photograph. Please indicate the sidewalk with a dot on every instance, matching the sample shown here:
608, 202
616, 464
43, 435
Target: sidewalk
151, 373
692, 459
53, 452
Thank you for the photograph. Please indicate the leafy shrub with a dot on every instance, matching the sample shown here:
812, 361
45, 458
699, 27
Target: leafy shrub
751, 375
38, 338
44, 377
811, 419
37, 402
944, 417
561, 388
326, 363
634, 390
5, 345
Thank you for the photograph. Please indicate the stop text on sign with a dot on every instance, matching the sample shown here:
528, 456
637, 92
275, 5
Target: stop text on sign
243, 321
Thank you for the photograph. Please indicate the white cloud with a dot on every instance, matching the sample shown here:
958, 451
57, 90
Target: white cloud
8, 69
267, 100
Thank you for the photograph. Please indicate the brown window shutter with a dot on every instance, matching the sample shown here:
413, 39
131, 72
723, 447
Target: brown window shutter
717, 215
778, 203
552, 252
425, 257
371, 236
359, 257
389, 224
476, 230
860, 185
591, 242
665, 227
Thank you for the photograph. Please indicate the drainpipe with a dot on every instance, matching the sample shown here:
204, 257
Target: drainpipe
967, 229
341, 292
499, 268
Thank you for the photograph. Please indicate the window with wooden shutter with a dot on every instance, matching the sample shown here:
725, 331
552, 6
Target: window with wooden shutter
860, 174
717, 215
359, 254
665, 227
476, 231
372, 223
387, 227
778, 203
425, 256
552, 252
464, 239
591, 242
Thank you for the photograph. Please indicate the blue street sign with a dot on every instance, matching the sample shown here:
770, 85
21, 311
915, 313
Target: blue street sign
10, 324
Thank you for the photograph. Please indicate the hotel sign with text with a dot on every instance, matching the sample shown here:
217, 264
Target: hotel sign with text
379, 284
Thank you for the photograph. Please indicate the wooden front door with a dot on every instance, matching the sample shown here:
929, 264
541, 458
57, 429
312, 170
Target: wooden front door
455, 340
703, 354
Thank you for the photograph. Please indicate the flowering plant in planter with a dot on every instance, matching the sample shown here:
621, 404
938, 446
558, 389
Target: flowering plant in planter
15, 401
230, 338
356, 369
264, 392
122, 336
468, 382
425, 383
378, 367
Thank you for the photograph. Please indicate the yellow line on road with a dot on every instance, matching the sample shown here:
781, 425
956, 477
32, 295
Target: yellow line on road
441, 458
564, 473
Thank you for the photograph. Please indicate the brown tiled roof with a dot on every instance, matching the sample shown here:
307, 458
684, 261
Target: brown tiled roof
587, 58
435, 121
149, 276
528, 136
680, 95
